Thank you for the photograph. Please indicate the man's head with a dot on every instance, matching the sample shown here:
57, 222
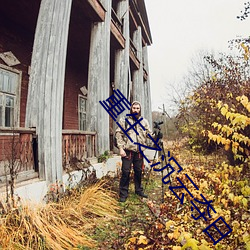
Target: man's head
136, 108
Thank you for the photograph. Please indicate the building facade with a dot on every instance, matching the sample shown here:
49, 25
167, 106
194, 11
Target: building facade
58, 59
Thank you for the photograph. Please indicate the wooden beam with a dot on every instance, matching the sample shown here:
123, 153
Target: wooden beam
116, 19
133, 5
93, 9
134, 22
135, 61
144, 16
144, 42
97, 8
144, 30
137, 16
77, 132
17, 130
119, 38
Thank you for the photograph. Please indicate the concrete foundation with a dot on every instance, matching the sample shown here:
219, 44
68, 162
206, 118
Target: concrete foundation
35, 190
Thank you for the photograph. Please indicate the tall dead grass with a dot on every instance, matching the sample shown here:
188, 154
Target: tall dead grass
60, 225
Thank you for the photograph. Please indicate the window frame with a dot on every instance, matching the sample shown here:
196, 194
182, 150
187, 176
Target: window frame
17, 96
79, 111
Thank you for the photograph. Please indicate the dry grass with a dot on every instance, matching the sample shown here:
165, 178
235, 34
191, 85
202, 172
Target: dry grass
60, 225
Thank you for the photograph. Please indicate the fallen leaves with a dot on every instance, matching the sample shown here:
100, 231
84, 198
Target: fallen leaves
139, 240
229, 191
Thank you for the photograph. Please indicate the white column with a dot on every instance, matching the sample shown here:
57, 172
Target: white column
147, 92
45, 95
99, 78
122, 55
138, 74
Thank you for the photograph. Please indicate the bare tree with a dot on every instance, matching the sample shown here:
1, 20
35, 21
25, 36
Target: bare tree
245, 12
12, 167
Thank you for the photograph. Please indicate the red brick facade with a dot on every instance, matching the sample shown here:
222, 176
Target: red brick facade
19, 42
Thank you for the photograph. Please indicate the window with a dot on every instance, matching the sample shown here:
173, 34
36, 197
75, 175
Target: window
82, 103
9, 97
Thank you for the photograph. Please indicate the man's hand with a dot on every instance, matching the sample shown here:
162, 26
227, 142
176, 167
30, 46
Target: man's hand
122, 152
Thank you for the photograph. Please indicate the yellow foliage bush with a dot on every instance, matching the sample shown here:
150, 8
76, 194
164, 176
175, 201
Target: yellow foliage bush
231, 135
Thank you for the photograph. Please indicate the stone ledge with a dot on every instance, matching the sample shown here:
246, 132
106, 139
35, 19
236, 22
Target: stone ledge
35, 190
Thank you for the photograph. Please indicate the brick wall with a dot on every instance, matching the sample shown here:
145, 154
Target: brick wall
75, 78
19, 41
73, 82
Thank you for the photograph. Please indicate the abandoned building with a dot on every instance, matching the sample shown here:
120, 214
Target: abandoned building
58, 59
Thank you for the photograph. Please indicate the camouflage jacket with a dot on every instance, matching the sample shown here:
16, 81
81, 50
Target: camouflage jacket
124, 142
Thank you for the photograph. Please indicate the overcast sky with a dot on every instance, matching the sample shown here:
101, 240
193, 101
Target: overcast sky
181, 28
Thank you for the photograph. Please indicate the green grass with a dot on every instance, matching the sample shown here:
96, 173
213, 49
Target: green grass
136, 216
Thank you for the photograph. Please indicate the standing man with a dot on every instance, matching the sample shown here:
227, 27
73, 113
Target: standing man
129, 151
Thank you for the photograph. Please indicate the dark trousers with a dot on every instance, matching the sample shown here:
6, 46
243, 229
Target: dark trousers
137, 160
